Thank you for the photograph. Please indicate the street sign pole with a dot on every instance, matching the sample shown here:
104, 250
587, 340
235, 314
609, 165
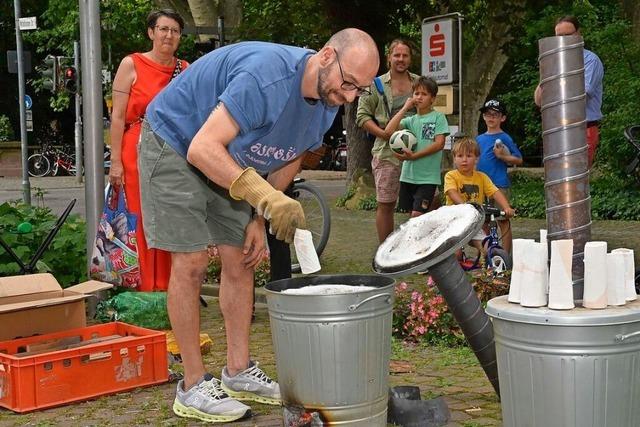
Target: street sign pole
91, 64
78, 125
26, 186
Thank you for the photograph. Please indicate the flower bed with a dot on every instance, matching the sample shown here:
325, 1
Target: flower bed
421, 314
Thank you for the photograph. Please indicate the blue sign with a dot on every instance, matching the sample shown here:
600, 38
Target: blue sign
28, 102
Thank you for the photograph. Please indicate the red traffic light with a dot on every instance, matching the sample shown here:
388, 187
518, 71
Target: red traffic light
70, 79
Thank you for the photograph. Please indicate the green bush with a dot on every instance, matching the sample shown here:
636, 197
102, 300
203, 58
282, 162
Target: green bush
611, 198
66, 256
610, 36
368, 203
351, 191
262, 273
6, 131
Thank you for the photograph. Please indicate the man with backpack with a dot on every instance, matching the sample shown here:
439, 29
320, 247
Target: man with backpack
388, 94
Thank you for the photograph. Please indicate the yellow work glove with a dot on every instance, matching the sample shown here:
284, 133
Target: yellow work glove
283, 213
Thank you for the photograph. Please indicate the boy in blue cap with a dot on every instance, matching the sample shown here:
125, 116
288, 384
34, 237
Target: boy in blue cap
497, 152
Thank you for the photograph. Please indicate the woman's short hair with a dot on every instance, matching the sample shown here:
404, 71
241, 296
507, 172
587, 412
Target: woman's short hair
428, 83
465, 145
153, 16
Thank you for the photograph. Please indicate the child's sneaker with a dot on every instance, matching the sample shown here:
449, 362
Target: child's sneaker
252, 384
206, 401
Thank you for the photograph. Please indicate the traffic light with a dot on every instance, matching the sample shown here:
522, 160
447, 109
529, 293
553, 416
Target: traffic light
71, 79
50, 72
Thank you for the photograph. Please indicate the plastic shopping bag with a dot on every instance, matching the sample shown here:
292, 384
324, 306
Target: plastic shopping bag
115, 255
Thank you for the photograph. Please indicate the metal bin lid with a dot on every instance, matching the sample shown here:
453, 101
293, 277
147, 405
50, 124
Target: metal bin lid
427, 239
500, 308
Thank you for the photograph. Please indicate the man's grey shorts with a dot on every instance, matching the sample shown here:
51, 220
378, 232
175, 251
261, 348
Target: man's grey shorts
183, 211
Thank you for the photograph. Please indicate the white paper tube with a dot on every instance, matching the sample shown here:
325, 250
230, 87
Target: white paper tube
306, 251
535, 278
629, 273
519, 255
543, 239
543, 235
560, 282
595, 275
615, 279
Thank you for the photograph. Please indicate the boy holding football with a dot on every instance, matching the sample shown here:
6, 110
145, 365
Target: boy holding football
420, 175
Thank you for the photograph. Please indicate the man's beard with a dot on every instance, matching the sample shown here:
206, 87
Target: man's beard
400, 68
324, 91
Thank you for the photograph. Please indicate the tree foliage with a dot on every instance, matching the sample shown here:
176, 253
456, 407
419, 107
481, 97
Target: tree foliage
297, 23
609, 35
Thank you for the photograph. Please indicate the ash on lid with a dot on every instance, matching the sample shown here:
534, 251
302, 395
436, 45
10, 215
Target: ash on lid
420, 236
328, 290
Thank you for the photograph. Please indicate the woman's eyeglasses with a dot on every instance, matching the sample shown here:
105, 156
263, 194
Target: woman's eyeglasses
167, 30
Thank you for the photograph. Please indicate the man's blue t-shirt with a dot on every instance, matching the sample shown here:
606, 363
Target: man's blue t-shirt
260, 85
488, 163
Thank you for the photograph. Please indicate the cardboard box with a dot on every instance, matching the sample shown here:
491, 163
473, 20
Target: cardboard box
36, 304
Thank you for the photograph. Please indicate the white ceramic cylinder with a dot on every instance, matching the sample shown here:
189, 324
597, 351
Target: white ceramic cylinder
543, 239
535, 279
560, 281
595, 275
629, 273
519, 253
615, 279
306, 251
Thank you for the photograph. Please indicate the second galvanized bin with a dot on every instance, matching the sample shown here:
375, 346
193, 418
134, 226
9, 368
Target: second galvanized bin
574, 368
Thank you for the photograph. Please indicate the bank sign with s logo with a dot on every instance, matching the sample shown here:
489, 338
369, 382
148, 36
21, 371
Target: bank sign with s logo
440, 49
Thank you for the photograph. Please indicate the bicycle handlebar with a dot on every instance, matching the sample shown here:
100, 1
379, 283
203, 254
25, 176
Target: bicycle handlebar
491, 210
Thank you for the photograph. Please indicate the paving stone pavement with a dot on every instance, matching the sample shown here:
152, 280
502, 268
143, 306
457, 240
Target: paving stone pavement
460, 380
462, 383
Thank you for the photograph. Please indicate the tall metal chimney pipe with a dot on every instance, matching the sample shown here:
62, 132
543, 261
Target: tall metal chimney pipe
566, 169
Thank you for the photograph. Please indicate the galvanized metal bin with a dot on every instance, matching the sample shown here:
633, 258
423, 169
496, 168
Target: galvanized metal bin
332, 351
568, 368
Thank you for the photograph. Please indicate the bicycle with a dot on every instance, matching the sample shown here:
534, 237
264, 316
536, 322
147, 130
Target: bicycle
317, 215
51, 161
39, 164
497, 259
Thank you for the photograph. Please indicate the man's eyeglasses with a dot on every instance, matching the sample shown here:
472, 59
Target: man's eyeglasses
347, 85
167, 30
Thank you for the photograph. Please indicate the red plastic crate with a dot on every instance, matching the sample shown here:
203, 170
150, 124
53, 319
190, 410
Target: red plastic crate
55, 378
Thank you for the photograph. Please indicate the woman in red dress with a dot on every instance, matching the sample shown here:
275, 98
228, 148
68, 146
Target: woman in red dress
139, 78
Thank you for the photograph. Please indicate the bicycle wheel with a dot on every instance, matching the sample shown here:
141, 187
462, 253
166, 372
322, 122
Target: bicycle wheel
317, 215
499, 260
38, 165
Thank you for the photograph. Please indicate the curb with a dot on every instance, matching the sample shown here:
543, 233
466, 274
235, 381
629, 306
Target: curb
213, 290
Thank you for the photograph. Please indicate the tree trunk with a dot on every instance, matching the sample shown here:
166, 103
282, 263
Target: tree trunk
487, 59
359, 147
179, 6
479, 79
632, 12
204, 13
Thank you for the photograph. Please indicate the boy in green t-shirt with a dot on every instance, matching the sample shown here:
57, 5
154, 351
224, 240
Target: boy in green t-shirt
465, 184
420, 175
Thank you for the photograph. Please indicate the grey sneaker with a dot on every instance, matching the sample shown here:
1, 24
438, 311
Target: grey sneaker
206, 401
252, 384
